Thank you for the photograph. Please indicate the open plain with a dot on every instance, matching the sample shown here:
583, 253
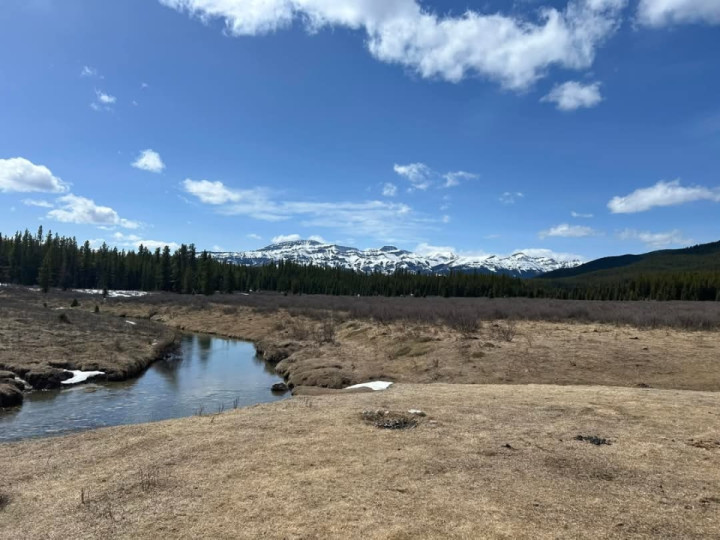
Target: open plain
549, 424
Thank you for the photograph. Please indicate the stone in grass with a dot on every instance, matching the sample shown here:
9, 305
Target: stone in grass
279, 387
592, 439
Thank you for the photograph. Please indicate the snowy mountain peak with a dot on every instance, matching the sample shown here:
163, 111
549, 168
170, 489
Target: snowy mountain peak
389, 259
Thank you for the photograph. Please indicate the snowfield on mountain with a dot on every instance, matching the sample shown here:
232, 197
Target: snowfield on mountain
389, 259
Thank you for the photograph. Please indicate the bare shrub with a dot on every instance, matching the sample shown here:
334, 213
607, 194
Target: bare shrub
326, 331
464, 321
150, 478
63, 318
505, 331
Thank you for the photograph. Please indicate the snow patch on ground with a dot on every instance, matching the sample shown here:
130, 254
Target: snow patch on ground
113, 294
372, 385
130, 322
81, 376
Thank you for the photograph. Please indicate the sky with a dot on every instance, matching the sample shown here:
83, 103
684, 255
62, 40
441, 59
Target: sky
576, 128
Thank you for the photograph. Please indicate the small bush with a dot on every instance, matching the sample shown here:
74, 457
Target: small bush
97, 309
4, 500
505, 331
74, 303
63, 318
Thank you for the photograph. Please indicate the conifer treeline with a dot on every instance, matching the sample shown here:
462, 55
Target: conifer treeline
54, 261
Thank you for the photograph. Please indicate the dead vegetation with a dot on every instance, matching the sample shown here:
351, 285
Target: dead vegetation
40, 337
487, 461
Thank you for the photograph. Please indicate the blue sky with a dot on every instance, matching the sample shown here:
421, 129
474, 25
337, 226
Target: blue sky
589, 127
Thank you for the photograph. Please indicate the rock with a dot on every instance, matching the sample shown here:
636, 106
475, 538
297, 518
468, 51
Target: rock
10, 396
280, 387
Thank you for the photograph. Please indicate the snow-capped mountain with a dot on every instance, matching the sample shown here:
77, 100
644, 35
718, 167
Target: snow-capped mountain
388, 259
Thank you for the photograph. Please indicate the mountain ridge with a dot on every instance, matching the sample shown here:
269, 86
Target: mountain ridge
389, 259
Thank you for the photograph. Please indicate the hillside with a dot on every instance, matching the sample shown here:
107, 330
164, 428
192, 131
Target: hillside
699, 258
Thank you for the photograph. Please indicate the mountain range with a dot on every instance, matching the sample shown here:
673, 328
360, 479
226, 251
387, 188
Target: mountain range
389, 259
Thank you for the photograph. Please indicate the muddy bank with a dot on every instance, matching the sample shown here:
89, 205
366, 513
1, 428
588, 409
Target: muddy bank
41, 337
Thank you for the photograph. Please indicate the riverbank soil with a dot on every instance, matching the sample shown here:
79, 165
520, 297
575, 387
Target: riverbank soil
327, 348
492, 461
38, 342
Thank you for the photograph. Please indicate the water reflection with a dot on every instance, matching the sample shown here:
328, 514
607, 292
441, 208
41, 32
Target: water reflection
208, 373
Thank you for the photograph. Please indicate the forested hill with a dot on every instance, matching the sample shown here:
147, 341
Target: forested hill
51, 261
700, 258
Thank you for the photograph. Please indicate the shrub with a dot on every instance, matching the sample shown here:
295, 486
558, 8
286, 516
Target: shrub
74, 303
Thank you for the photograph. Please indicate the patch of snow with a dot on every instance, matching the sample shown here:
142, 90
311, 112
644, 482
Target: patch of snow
131, 322
80, 376
372, 385
113, 294
417, 412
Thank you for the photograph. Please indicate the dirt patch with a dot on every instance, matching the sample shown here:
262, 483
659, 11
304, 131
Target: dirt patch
385, 419
309, 467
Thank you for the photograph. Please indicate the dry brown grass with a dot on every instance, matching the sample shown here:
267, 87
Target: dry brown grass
487, 461
41, 335
498, 351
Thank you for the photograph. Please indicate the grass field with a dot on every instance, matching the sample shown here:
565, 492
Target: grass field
598, 423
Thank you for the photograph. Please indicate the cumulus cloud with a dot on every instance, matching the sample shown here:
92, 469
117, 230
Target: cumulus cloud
453, 179
211, 192
574, 95
417, 173
134, 241
389, 190
149, 160
512, 50
667, 12
510, 197
656, 240
661, 194
565, 230
23, 176
80, 210
580, 215
383, 220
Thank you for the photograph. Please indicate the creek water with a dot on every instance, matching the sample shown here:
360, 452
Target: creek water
207, 375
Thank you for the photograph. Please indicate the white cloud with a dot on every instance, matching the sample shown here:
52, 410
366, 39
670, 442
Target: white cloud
317, 238
286, 238
22, 176
453, 179
565, 230
389, 190
510, 197
539, 252
134, 241
40, 204
666, 12
579, 215
149, 160
656, 240
211, 192
254, 236
417, 173
75, 209
428, 250
88, 71
574, 95
661, 194
446, 219
105, 99
511, 50
382, 220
